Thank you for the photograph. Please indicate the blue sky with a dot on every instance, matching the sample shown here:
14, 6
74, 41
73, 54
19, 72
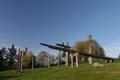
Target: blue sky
29, 22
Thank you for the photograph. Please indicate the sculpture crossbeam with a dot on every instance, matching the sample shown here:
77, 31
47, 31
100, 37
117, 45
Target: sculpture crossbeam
72, 52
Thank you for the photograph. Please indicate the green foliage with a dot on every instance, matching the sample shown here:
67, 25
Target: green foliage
27, 58
83, 46
3, 59
11, 55
63, 54
7, 58
12, 51
119, 56
42, 56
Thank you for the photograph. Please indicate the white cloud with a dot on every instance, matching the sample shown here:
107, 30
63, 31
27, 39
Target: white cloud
113, 49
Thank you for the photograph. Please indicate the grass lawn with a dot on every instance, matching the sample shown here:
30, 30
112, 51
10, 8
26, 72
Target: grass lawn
111, 71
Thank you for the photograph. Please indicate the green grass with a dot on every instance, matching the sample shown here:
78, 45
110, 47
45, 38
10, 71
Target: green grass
111, 71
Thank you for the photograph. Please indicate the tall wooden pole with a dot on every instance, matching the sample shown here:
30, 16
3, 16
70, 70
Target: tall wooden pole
32, 61
76, 59
21, 59
48, 61
59, 58
71, 56
18, 63
90, 49
66, 61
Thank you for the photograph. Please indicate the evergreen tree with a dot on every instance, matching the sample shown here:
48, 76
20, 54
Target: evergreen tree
119, 56
12, 54
3, 59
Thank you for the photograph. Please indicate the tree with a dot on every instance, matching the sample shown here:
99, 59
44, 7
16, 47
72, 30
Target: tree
12, 54
119, 56
27, 59
43, 56
83, 46
3, 59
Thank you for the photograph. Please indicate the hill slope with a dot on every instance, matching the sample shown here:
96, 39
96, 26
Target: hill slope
84, 72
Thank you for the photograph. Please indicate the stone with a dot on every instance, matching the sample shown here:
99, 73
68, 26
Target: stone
90, 60
97, 65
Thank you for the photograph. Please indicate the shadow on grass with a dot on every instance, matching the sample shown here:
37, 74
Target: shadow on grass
7, 77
